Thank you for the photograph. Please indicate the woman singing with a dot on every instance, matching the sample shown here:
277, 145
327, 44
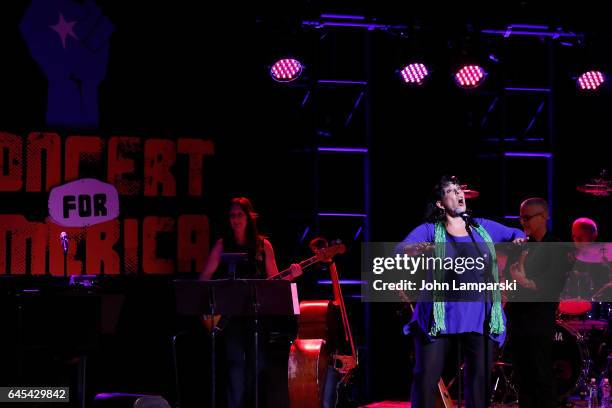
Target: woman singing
437, 321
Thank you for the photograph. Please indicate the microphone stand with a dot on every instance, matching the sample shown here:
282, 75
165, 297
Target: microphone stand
82, 364
256, 305
64, 243
213, 352
469, 222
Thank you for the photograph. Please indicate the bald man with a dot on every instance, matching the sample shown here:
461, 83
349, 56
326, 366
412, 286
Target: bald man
594, 274
584, 230
540, 273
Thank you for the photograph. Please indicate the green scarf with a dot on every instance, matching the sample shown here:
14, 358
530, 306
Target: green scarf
496, 325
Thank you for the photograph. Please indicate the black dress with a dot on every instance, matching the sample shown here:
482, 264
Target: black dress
237, 334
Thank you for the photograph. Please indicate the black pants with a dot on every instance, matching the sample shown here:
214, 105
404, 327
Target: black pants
533, 364
430, 358
240, 358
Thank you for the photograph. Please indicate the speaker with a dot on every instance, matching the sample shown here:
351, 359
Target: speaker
122, 400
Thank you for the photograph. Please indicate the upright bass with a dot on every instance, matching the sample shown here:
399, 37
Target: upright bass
316, 351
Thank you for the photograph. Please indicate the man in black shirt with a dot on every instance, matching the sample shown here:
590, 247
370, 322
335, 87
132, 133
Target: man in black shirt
541, 273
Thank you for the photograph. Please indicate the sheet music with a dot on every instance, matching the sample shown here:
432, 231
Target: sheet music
294, 297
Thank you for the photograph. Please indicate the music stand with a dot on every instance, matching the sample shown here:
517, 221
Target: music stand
232, 259
196, 298
87, 314
240, 297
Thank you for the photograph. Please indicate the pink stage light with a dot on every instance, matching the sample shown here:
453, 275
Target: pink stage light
470, 76
414, 74
286, 70
591, 80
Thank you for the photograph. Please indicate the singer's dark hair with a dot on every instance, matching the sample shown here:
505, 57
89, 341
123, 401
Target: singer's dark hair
433, 213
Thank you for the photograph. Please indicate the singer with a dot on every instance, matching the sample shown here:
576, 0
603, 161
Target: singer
436, 324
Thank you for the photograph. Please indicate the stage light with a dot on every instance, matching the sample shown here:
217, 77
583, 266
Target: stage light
286, 70
414, 74
590, 81
470, 76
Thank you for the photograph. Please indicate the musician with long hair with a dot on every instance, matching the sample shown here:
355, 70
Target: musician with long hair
242, 236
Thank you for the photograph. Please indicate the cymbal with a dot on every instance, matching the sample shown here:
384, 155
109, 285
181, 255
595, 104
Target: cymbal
468, 193
600, 190
599, 186
595, 252
586, 325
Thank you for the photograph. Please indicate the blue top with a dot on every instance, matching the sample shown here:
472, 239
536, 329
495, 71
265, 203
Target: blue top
463, 316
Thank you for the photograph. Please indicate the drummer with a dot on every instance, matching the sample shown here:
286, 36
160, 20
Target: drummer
591, 263
584, 230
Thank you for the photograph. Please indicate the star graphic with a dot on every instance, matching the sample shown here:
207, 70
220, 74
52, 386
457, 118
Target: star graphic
64, 29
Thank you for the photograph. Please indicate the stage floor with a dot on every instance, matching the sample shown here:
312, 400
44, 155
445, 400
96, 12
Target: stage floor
405, 404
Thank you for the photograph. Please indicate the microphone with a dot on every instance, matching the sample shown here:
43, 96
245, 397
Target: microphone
469, 221
64, 241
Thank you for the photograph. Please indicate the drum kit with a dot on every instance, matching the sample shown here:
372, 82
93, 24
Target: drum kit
584, 323
581, 337
580, 345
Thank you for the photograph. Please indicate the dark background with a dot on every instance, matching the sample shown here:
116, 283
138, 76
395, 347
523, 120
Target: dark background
183, 69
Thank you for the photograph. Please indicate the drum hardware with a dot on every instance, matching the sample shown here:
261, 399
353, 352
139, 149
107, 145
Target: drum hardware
598, 186
571, 364
469, 193
594, 252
